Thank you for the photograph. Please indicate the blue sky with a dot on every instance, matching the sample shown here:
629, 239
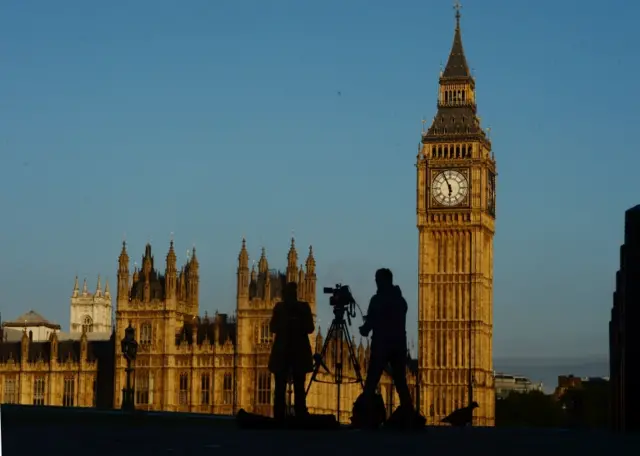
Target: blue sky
218, 119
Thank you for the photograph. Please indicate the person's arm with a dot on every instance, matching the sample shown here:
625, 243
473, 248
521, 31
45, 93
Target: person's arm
370, 318
276, 317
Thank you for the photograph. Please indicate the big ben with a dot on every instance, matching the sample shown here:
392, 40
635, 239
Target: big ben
456, 209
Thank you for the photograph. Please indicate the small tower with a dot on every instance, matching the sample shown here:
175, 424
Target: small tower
171, 274
242, 294
310, 281
292, 262
194, 280
123, 275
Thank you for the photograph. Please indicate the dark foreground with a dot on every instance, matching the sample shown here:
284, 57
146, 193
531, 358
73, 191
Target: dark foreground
54, 431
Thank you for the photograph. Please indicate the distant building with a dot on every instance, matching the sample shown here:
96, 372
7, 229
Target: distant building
69, 373
37, 328
624, 345
91, 312
506, 384
568, 382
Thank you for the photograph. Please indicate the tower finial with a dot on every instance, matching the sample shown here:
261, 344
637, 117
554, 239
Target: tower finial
457, 6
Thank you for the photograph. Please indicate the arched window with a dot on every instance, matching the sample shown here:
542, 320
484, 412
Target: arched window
87, 324
146, 334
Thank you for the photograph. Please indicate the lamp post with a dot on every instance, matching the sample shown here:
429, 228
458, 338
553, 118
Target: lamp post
129, 351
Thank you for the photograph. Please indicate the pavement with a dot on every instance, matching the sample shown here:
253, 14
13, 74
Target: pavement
63, 431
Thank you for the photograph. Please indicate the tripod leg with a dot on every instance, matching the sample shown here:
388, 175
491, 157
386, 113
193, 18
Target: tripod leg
320, 361
352, 356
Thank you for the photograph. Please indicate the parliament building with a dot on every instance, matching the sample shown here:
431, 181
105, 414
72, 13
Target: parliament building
189, 362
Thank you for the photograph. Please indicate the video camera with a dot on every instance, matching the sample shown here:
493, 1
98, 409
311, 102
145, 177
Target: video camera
340, 296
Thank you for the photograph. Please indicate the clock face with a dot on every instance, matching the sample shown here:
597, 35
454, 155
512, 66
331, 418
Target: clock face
450, 188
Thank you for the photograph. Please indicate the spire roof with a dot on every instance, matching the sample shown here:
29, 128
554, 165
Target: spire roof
457, 66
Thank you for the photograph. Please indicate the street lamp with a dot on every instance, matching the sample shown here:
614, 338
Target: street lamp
129, 351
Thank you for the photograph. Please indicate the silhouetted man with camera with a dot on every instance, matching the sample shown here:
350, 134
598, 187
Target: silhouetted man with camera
387, 318
291, 355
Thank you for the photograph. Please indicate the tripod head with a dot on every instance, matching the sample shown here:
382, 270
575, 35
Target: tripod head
342, 302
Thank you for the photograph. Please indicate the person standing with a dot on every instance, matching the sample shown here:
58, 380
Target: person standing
291, 355
387, 318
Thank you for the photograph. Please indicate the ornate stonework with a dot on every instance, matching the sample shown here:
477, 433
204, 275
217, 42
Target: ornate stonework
456, 223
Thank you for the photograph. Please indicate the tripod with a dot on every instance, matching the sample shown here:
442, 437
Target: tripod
339, 333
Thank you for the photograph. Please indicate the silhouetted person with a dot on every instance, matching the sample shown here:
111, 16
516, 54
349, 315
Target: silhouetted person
291, 354
387, 318
461, 417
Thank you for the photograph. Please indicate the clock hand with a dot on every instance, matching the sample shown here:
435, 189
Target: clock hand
447, 181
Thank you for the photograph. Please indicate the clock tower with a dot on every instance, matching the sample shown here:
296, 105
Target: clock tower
456, 223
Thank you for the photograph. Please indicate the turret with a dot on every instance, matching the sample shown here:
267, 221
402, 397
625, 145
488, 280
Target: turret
242, 295
171, 273
263, 264
98, 293
123, 274
147, 267
194, 278
85, 290
76, 289
292, 262
310, 279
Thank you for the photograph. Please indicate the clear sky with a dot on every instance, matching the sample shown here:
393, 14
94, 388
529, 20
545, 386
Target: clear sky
218, 119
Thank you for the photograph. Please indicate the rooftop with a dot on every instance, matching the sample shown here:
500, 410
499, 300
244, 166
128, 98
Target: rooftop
31, 318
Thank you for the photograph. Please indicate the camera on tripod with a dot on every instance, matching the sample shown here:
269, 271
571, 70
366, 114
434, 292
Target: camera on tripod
340, 296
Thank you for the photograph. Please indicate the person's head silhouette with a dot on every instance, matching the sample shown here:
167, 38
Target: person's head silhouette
384, 278
290, 292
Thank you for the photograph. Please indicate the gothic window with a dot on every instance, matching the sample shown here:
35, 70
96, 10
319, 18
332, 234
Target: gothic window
10, 391
87, 324
265, 334
69, 391
227, 390
184, 389
142, 387
264, 388
145, 334
38, 391
205, 388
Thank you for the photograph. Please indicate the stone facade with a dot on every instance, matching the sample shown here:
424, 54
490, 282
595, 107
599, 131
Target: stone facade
455, 218
91, 312
56, 372
216, 364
